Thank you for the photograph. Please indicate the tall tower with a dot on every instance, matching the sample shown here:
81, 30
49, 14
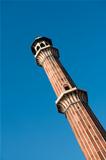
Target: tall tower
71, 101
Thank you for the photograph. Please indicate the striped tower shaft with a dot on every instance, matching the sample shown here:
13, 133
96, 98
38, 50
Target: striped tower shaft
73, 102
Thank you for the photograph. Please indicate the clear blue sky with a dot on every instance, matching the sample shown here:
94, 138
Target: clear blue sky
32, 129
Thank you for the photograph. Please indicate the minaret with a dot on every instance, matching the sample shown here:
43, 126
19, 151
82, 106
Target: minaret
71, 101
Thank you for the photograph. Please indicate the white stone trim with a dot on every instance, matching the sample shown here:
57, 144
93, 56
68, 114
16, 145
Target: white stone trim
63, 93
40, 50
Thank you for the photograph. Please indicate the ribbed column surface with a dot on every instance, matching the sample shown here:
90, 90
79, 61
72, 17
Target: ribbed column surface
56, 74
87, 129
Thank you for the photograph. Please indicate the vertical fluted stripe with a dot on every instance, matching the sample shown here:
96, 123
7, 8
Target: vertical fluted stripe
78, 136
89, 131
101, 145
80, 132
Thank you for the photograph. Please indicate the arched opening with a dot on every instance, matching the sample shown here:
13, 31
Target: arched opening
38, 47
46, 44
66, 87
42, 45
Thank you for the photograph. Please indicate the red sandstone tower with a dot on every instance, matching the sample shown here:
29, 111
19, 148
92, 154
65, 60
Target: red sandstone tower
71, 101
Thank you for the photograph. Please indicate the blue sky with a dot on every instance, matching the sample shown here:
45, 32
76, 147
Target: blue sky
32, 129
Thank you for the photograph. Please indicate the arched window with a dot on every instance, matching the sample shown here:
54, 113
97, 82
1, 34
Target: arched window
66, 87
46, 44
38, 48
42, 45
